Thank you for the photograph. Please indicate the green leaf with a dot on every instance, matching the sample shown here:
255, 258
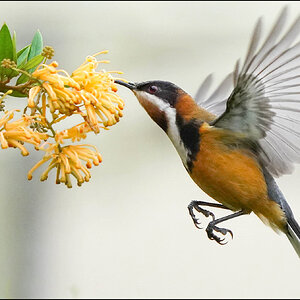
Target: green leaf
36, 47
6, 44
22, 79
13, 73
14, 44
6, 49
32, 63
22, 56
22, 50
22, 64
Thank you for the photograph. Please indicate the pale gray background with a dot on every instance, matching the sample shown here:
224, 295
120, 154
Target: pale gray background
127, 233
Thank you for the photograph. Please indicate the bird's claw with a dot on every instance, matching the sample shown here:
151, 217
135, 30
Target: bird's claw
193, 205
195, 220
212, 236
197, 223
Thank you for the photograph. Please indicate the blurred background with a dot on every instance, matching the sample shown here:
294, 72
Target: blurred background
127, 233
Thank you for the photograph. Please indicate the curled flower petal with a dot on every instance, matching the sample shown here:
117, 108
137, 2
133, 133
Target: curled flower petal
37, 165
68, 161
49, 90
32, 94
4, 143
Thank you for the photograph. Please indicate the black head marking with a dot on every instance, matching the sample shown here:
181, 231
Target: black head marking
164, 90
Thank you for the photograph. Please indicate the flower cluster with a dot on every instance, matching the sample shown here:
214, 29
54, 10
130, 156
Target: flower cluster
53, 96
68, 160
16, 133
86, 92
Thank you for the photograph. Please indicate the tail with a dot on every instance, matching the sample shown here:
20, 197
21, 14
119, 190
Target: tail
293, 233
292, 230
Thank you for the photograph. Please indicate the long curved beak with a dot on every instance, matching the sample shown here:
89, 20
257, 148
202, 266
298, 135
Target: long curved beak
130, 85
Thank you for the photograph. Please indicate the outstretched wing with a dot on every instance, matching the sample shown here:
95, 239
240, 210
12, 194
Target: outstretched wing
264, 104
216, 102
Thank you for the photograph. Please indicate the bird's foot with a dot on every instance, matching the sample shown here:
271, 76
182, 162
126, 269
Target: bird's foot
194, 205
211, 228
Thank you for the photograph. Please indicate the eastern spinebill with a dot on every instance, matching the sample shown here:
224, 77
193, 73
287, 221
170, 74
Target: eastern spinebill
234, 142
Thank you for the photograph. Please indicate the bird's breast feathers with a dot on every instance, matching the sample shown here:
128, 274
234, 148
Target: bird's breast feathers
231, 174
228, 174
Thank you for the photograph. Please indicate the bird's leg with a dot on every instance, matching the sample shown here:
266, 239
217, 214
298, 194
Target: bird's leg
212, 227
197, 206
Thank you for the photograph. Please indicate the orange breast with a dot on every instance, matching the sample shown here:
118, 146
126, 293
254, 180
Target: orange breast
233, 177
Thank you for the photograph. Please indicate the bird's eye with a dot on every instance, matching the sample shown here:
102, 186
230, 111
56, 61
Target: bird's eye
152, 89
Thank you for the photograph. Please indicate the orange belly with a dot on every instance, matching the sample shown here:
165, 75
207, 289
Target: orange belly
234, 178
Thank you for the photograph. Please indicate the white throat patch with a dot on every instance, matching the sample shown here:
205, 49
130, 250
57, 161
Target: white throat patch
172, 130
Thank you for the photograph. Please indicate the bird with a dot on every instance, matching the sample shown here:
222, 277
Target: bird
236, 140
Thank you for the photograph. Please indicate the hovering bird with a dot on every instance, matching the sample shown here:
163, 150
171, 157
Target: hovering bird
234, 142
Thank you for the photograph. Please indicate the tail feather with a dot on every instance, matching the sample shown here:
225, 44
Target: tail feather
293, 228
293, 234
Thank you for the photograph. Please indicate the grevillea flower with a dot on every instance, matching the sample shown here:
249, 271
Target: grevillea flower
87, 92
56, 87
75, 133
68, 161
98, 93
16, 133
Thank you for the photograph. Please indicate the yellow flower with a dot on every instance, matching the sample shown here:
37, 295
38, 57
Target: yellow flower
75, 133
16, 133
32, 94
90, 93
98, 93
68, 161
56, 87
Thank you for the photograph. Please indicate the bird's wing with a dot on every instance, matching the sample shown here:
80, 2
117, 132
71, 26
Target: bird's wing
264, 104
216, 102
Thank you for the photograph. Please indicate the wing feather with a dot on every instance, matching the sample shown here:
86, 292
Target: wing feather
216, 102
271, 39
264, 96
253, 44
204, 88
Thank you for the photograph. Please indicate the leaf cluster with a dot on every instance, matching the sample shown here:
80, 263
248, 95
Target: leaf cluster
26, 59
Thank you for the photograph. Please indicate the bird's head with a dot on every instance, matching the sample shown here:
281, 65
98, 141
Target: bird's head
163, 101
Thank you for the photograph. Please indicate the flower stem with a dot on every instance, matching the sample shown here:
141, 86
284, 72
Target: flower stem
47, 122
19, 88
